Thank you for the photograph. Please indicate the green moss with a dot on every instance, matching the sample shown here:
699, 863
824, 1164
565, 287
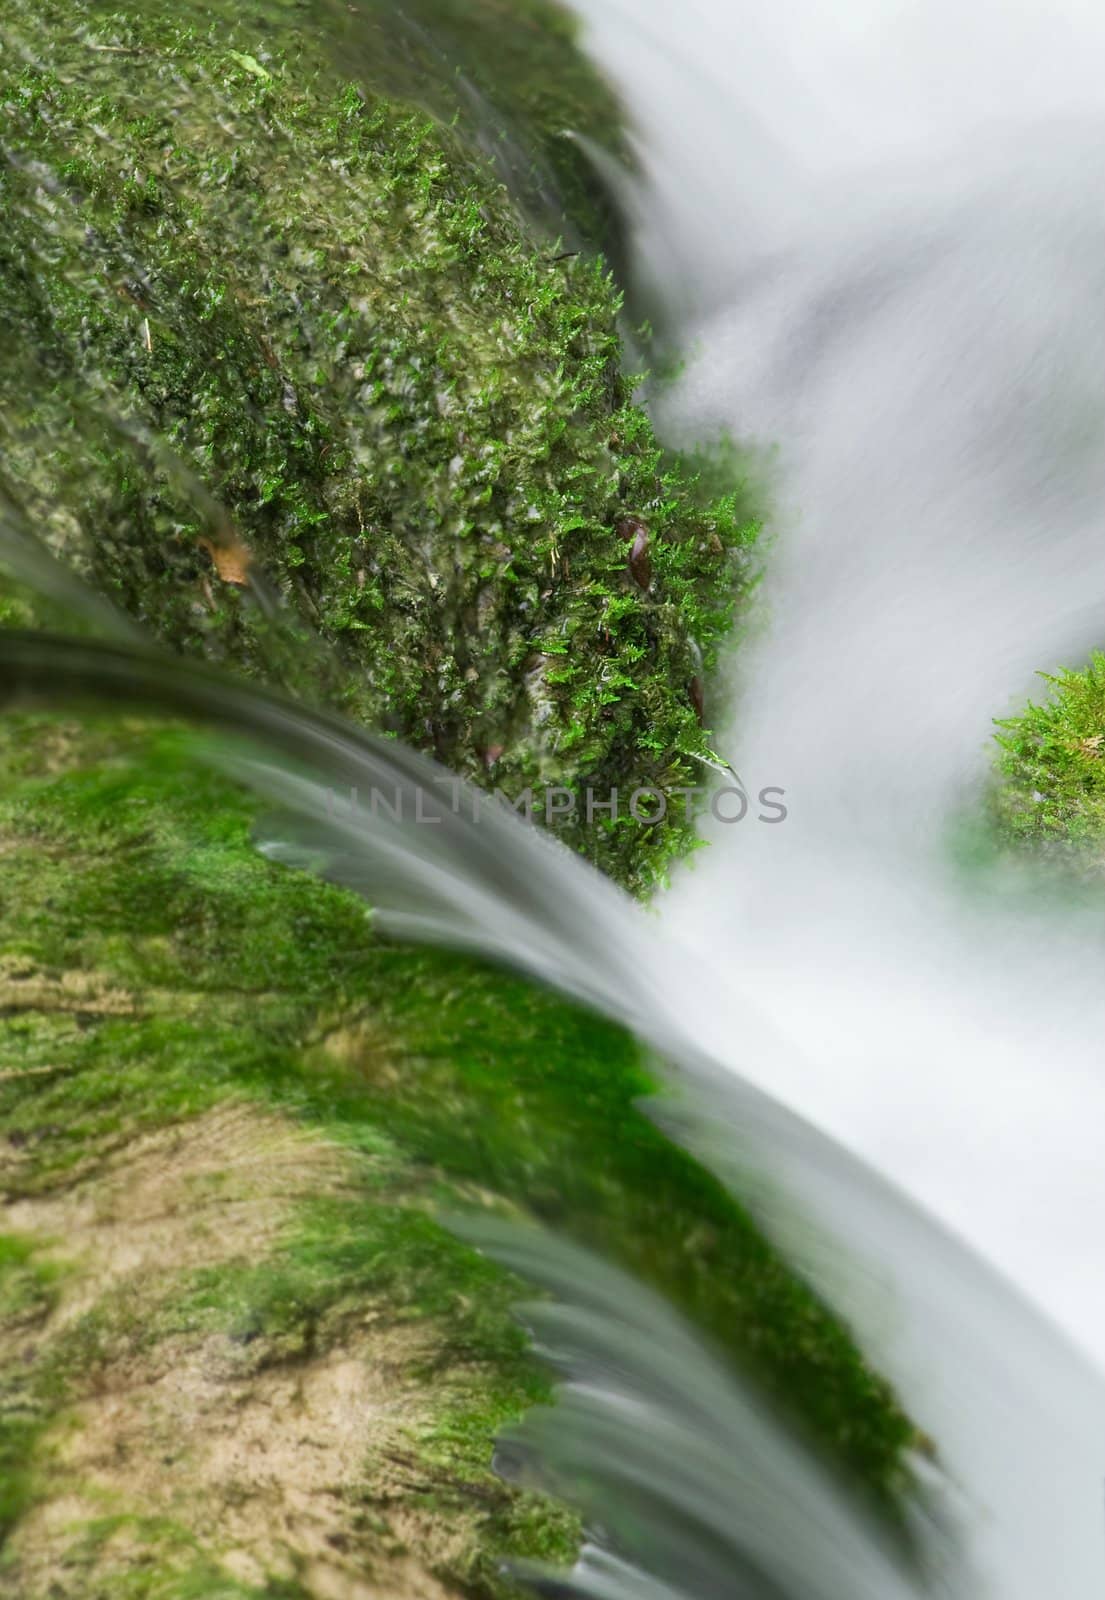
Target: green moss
1051, 766
164, 1565
28, 1288
273, 323
508, 73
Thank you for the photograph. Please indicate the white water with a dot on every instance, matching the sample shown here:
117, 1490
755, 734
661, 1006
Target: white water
880, 231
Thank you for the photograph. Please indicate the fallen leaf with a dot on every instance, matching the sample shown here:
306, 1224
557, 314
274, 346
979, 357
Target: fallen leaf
231, 561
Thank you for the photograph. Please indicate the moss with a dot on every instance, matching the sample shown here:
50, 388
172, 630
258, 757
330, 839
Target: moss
28, 1289
1051, 769
164, 1565
274, 324
27, 1286
509, 75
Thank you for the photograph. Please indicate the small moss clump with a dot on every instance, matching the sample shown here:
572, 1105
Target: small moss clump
1051, 765
296, 386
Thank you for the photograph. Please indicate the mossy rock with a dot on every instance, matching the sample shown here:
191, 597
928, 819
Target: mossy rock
297, 386
228, 1116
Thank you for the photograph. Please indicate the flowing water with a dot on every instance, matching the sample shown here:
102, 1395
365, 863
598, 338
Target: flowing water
897, 280
879, 231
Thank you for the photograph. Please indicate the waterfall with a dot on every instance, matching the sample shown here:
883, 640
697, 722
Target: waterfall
878, 233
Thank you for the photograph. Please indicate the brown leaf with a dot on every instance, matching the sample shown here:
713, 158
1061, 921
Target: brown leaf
231, 561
